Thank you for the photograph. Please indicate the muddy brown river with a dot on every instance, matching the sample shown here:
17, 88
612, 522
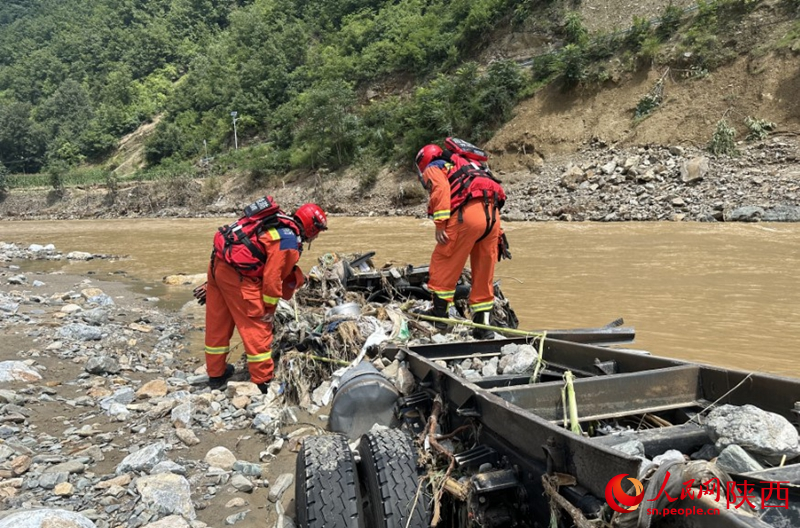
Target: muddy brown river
725, 294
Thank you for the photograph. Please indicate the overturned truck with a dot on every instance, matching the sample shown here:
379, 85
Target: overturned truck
594, 437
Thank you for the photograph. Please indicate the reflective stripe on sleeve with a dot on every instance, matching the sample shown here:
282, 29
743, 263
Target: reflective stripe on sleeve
269, 300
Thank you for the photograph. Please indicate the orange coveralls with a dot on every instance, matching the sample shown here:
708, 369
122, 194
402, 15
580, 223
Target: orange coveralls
234, 300
448, 260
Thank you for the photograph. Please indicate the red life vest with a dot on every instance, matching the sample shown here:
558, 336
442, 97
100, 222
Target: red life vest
470, 180
237, 244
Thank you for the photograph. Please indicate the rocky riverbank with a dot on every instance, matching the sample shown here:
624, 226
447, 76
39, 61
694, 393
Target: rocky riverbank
105, 418
664, 183
599, 183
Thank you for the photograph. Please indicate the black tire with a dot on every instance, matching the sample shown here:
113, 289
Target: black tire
390, 476
326, 491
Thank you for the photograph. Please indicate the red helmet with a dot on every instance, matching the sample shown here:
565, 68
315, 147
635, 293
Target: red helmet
312, 220
426, 155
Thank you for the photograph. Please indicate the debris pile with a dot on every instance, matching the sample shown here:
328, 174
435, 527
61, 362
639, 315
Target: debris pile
106, 419
348, 310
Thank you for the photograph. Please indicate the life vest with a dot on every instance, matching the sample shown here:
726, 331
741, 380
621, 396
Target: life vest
237, 244
470, 180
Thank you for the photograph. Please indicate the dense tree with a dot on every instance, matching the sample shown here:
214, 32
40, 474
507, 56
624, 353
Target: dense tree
75, 76
22, 141
327, 127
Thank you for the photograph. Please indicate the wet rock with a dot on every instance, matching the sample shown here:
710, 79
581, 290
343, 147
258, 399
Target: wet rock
757, 431
744, 214
181, 279
782, 213
79, 255
46, 519
734, 459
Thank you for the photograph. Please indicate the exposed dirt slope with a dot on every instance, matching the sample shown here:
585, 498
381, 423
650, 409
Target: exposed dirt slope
761, 82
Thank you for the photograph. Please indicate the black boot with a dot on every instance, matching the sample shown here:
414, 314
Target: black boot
439, 309
219, 382
483, 319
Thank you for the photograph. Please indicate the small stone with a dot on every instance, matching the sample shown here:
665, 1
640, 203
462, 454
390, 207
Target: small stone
282, 483
122, 480
237, 502
220, 457
152, 389
241, 483
187, 436
64, 489
236, 517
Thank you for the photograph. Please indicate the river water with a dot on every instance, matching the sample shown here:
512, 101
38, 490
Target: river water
724, 294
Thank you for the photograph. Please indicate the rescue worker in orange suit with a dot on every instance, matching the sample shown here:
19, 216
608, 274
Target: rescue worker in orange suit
467, 219
249, 303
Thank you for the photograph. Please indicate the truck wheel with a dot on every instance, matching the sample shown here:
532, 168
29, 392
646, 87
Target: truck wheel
326, 493
390, 477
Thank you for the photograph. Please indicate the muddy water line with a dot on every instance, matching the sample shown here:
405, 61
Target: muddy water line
725, 294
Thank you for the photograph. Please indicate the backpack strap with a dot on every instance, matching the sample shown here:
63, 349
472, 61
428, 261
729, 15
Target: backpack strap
490, 221
244, 239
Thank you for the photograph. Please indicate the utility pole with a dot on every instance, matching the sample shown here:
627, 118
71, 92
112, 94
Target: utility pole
235, 138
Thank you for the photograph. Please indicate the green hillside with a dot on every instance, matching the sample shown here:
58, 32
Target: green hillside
313, 84
76, 76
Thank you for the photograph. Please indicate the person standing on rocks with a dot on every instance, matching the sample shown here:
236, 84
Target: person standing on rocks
465, 201
246, 281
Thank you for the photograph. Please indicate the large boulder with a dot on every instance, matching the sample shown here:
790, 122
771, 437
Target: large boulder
46, 519
758, 432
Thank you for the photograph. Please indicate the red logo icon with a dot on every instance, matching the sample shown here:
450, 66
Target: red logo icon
618, 499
